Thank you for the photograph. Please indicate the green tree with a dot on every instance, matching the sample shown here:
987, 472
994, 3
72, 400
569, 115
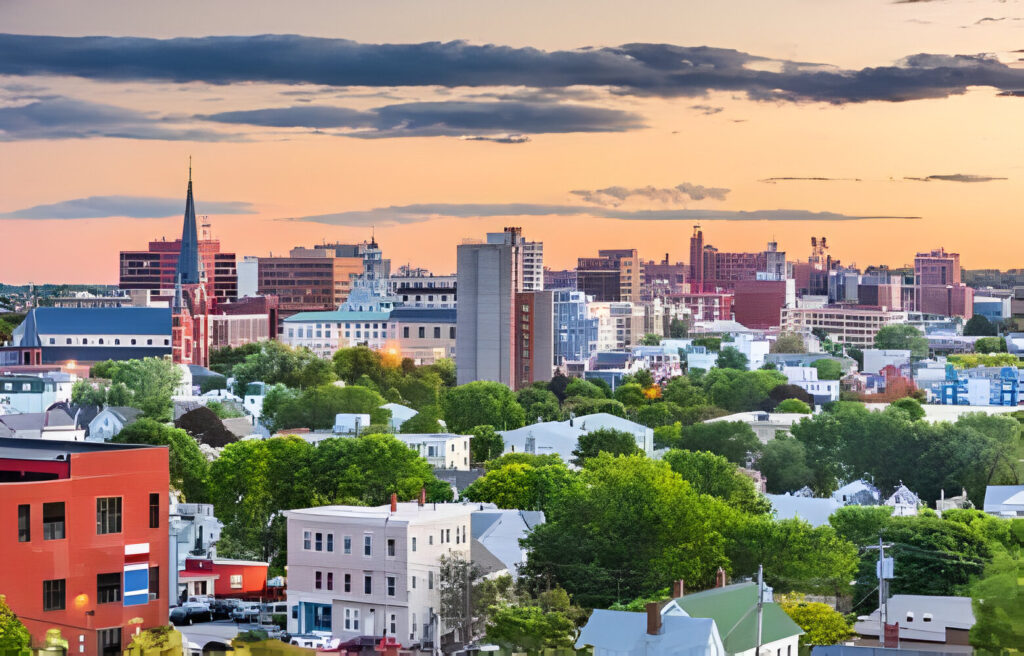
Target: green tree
998, 603
352, 363
716, 476
734, 440
603, 440
224, 411
822, 624
677, 329
275, 362
681, 391
615, 532
902, 336
422, 388
152, 382
223, 360
424, 421
584, 388
783, 462
13, 635
793, 405
84, 392
739, 391
710, 343
828, 369
558, 385
788, 343
731, 358
650, 339
979, 326
990, 345
520, 485
481, 403
485, 445
911, 406
539, 404
659, 414
530, 629
187, 464
630, 395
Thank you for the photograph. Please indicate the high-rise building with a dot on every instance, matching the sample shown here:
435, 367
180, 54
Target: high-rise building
575, 332
529, 272
534, 338
199, 260
484, 320
661, 279
310, 279
86, 546
560, 279
614, 275
711, 269
938, 288
758, 303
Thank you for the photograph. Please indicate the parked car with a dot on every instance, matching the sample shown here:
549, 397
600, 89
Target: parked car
188, 613
246, 611
313, 641
222, 608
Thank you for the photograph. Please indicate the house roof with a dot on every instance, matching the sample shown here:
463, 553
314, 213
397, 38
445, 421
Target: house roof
126, 414
239, 426
423, 315
624, 632
734, 610
812, 510
946, 612
903, 496
500, 531
997, 497
102, 321
32, 449
483, 558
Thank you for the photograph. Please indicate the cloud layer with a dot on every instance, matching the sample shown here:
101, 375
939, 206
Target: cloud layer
642, 69
402, 214
956, 177
135, 207
678, 195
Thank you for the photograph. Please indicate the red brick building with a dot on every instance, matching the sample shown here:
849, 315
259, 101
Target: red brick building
85, 543
938, 288
758, 303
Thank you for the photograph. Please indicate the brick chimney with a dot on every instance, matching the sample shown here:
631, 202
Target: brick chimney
394, 502
720, 578
423, 496
653, 618
678, 588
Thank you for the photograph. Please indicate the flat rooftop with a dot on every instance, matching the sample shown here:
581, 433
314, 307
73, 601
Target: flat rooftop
408, 511
29, 449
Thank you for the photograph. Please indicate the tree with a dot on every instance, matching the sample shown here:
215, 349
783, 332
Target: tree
740, 391
223, 360
424, 421
682, 392
152, 382
650, 339
187, 465
630, 395
317, 407
911, 406
622, 527
641, 377
734, 440
584, 388
902, 336
14, 637
84, 392
224, 411
603, 440
780, 393
456, 577
275, 362
822, 624
558, 385
998, 603
659, 414
793, 406
828, 369
716, 476
481, 403
539, 404
710, 343
783, 461
485, 445
990, 345
530, 629
677, 329
352, 363
520, 485
979, 326
731, 358
788, 343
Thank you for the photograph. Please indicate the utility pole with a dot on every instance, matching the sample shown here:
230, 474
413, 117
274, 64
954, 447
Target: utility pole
883, 587
760, 606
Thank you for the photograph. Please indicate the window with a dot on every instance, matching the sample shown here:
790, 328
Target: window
330, 580
367, 584
437, 332
109, 641
24, 523
394, 624
367, 545
927, 617
154, 581
133, 341
347, 544
53, 341
53, 594
414, 583
68, 340
430, 539
318, 578
307, 540
330, 542
154, 510
414, 544
108, 515
422, 332
391, 586
149, 342
391, 547
108, 588
117, 342
430, 580
319, 542
53, 521
236, 582
348, 583
351, 619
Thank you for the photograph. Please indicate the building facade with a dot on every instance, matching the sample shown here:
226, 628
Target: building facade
484, 318
310, 279
575, 332
534, 338
938, 287
89, 555
424, 334
853, 326
326, 332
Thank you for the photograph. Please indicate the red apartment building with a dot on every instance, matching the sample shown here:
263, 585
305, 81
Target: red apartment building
938, 288
534, 338
155, 269
84, 547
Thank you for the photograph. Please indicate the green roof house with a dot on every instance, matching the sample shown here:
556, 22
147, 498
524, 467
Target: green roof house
734, 610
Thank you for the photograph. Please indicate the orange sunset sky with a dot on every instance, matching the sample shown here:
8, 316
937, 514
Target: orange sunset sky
398, 115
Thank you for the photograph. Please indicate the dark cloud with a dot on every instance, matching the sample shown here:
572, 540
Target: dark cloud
402, 214
677, 195
504, 139
135, 207
446, 118
955, 177
641, 69
707, 110
807, 179
58, 117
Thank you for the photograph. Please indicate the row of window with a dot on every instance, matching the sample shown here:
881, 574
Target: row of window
109, 512
99, 341
315, 541
108, 589
325, 581
421, 332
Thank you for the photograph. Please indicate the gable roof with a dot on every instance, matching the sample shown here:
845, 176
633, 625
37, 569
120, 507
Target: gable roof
126, 414
810, 509
624, 632
734, 610
997, 497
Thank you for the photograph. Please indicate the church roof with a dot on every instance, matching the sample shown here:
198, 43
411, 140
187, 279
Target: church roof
189, 263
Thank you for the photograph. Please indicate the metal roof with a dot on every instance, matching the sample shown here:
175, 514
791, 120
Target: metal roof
102, 321
337, 315
425, 315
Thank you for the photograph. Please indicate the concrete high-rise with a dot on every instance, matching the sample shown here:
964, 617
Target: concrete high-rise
487, 283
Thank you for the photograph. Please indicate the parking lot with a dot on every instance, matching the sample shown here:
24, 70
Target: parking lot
201, 634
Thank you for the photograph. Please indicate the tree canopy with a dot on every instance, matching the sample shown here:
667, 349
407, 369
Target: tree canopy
603, 440
188, 466
902, 336
481, 403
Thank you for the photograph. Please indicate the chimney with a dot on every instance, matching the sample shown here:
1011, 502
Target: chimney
678, 588
394, 502
720, 578
653, 618
423, 496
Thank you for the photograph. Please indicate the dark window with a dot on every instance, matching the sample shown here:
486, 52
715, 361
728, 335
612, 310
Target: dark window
319, 580
154, 581
108, 588
53, 521
348, 583
109, 641
391, 586
391, 546
154, 510
422, 332
451, 333
53, 594
405, 331
330, 580
367, 585
24, 523
437, 332
108, 515
319, 542
330, 541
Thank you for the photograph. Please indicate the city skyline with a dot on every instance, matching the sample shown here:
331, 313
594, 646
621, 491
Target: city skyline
806, 120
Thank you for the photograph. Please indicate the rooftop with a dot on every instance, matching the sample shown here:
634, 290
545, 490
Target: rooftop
29, 449
337, 315
409, 511
102, 321
438, 315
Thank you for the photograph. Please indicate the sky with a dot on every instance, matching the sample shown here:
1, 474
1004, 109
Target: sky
891, 127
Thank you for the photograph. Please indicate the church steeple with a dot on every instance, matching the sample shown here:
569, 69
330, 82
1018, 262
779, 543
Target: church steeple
189, 263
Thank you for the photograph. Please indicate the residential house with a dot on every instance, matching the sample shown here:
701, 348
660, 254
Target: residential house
1001, 500
764, 424
926, 623
858, 493
441, 450
806, 378
499, 532
25, 393
622, 633
561, 437
224, 577
194, 531
877, 359
812, 510
53, 424
111, 421
399, 414
903, 501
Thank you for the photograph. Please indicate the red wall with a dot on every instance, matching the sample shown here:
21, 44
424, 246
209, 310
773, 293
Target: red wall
131, 474
254, 580
758, 303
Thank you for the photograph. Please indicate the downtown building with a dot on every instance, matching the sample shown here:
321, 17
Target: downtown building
614, 275
711, 269
938, 288
314, 279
